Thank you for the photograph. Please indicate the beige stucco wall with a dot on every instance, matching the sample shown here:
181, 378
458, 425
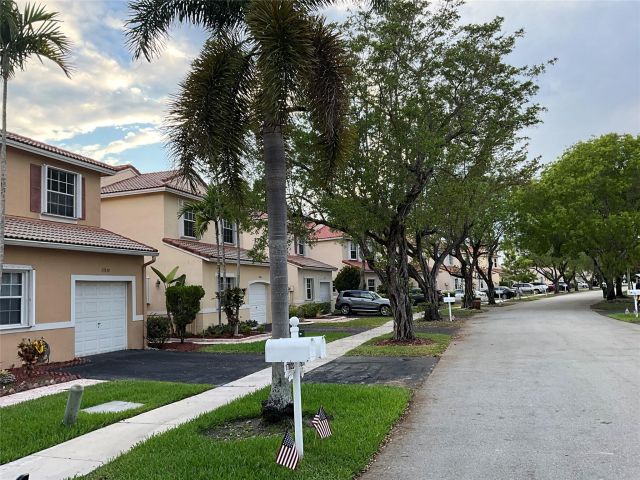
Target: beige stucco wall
19, 185
297, 283
54, 269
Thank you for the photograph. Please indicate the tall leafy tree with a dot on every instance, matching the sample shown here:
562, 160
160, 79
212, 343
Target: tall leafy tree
264, 61
32, 32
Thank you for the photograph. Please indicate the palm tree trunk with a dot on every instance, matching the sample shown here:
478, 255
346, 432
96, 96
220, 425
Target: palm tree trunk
219, 281
275, 177
3, 170
238, 255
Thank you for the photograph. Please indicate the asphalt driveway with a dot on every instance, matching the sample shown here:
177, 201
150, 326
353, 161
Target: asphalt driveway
170, 366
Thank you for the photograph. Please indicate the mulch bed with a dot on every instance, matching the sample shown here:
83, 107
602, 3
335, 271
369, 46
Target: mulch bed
253, 427
182, 347
224, 335
40, 376
415, 341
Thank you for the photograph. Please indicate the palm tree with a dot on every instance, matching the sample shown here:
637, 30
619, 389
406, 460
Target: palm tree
264, 60
32, 32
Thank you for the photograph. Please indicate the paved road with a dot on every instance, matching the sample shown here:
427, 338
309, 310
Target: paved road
545, 390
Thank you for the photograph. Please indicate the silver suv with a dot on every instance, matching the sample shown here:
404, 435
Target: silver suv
362, 301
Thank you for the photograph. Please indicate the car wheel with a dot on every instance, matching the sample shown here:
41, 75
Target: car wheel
345, 309
385, 311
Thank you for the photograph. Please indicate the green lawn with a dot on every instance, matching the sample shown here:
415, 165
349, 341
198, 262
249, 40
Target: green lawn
617, 305
358, 322
361, 417
368, 349
34, 425
631, 318
258, 347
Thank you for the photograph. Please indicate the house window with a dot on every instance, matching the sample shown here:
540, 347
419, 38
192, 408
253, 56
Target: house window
14, 292
300, 246
308, 288
353, 251
495, 262
228, 233
61, 193
457, 283
371, 284
189, 224
449, 260
230, 282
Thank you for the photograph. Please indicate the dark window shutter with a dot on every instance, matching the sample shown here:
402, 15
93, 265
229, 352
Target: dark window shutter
35, 189
84, 201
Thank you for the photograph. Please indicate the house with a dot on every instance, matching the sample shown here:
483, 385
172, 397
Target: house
334, 248
448, 281
65, 279
145, 206
309, 280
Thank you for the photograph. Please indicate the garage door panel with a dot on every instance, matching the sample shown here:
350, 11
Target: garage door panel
100, 317
258, 302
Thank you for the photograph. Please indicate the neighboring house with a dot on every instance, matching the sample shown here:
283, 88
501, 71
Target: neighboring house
145, 207
65, 278
334, 248
448, 281
309, 280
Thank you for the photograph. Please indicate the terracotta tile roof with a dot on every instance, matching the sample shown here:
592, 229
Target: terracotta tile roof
210, 250
309, 263
119, 168
20, 140
31, 229
326, 233
358, 264
147, 181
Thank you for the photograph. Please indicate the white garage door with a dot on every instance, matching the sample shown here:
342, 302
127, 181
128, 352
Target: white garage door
325, 291
258, 302
101, 317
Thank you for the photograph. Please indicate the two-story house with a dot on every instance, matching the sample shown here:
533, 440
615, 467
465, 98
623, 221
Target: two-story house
65, 279
335, 248
146, 206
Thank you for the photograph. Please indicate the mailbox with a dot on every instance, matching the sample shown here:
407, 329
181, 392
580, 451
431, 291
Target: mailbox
288, 350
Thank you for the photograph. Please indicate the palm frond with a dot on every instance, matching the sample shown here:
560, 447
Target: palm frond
148, 26
282, 33
327, 92
34, 32
209, 119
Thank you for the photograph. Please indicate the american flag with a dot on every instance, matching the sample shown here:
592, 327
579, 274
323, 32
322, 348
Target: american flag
288, 455
321, 423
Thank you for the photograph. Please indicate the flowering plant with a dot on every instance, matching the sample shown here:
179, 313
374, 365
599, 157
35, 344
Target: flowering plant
32, 352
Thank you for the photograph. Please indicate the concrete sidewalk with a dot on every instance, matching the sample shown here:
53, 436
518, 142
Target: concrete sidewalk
84, 454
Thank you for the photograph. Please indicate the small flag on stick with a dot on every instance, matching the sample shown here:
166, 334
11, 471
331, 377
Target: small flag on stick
321, 423
287, 455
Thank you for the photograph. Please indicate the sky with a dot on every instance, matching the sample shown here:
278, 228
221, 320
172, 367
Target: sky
112, 108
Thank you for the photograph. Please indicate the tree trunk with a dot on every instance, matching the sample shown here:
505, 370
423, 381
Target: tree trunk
610, 291
619, 292
398, 282
238, 255
468, 288
219, 281
363, 285
428, 284
275, 179
3, 171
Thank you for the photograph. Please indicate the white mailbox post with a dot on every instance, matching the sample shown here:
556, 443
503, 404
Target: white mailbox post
295, 351
449, 300
635, 294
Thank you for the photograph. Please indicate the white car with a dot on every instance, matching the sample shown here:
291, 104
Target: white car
583, 285
524, 288
540, 287
484, 298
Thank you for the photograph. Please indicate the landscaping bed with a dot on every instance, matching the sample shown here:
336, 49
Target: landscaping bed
426, 344
34, 425
258, 347
361, 417
616, 309
40, 376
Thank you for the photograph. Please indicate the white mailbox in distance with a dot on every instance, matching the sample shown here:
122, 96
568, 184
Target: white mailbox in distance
289, 350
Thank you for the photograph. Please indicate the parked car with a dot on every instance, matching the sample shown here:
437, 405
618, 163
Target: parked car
540, 287
551, 287
349, 301
525, 288
484, 298
459, 294
503, 292
417, 296
563, 287
583, 285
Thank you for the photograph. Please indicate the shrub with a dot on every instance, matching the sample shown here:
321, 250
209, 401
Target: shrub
312, 309
294, 311
348, 278
325, 308
251, 323
158, 330
382, 290
183, 301
218, 330
261, 329
231, 299
32, 352
6, 377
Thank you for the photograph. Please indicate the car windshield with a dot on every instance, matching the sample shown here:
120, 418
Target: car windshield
375, 295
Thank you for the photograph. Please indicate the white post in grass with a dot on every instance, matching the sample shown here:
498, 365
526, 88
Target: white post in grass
449, 299
297, 395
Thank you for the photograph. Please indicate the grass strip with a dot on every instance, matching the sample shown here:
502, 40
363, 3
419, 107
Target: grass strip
623, 317
361, 417
435, 349
34, 425
358, 322
258, 347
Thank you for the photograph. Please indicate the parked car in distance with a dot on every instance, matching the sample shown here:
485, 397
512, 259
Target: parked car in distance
417, 296
563, 287
583, 285
540, 287
525, 288
352, 301
459, 294
503, 292
551, 287
484, 298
